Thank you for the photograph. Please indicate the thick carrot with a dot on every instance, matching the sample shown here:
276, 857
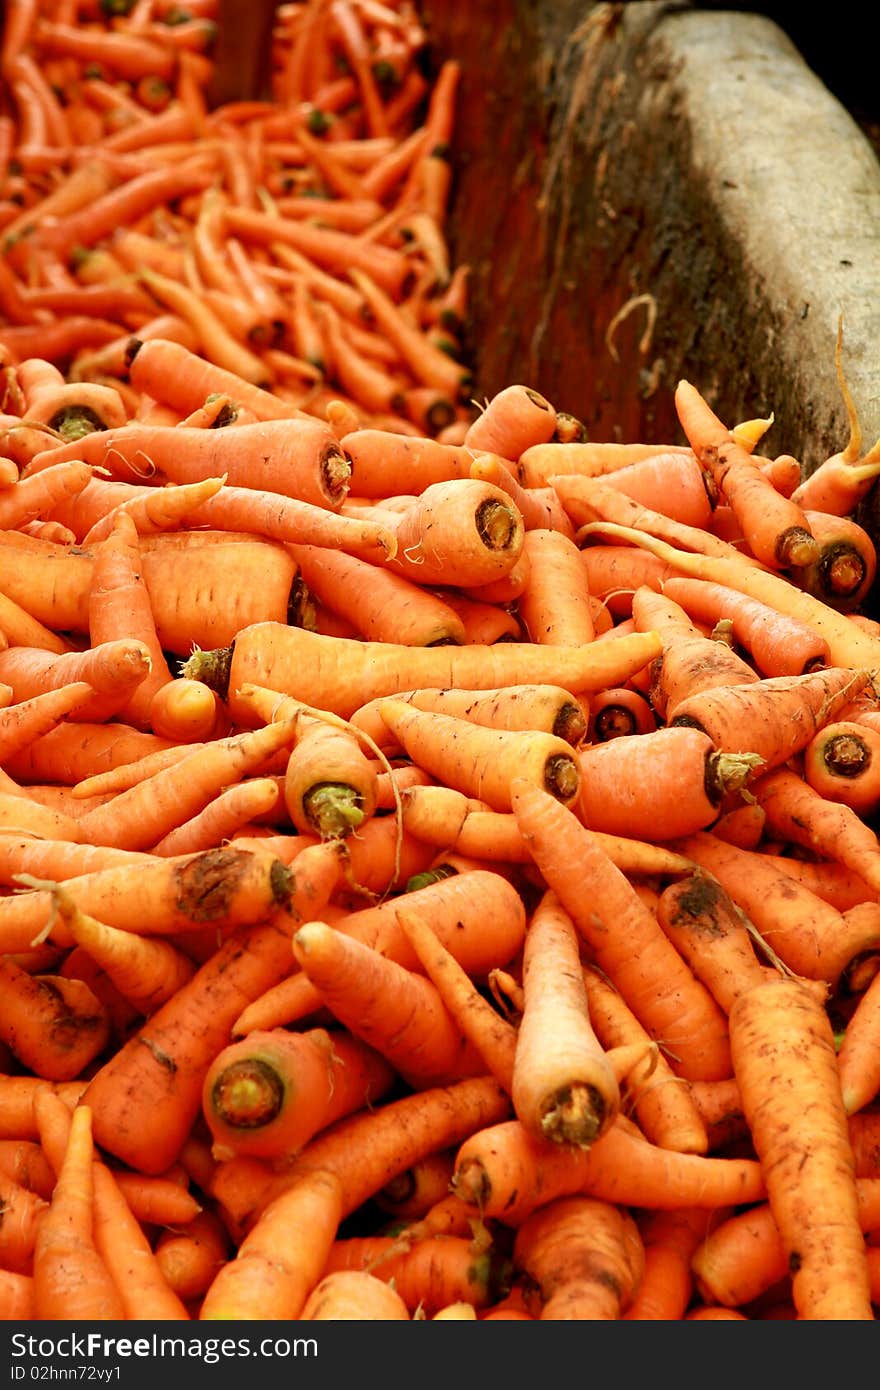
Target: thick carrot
54, 1027
778, 644
703, 922
354, 1295
341, 674
586, 1257
563, 1086
842, 763
554, 605
642, 785
269, 1093
784, 1060
690, 661
191, 1027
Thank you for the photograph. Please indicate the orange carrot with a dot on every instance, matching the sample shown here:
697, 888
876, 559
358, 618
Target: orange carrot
648, 785
660, 989
192, 1026
397, 1012
113, 669
803, 1145
585, 1256
702, 921
70, 1276
54, 1027
778, 644
842, 763
502, 1172
563, 1086
290, 659
775, 527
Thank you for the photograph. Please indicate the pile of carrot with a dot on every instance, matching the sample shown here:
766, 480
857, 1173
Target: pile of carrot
439, 854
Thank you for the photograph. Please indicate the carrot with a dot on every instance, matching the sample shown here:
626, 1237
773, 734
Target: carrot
503, 1172
702, 921
389, 607
481, 761
554, 605
810, 935
146, 970
384, 464
802, 1144
585, 1256
778, 644
842, 763
299, 459
71, 408
846, 566
565, 1091
492, 1036
513, 420
668, 782
670, 1239
774, 717
54, 1027
274, 1270
221, 886
798, 814
272, 655
23, 722
661, 1101
70, 1276
541, 508
547, 708
618, 711
72, 751
330, 785
366, 1150
192, 1026
842, 480
354, 1295
120, 606
611, 918
743, 1257
431, 1272
184, 711
17, 1102
398, 1013
428, 363
139, 817
269, 1093
190, 1258
858, 1056
236, 806
462, 531
775, 527
175, 374
113, 669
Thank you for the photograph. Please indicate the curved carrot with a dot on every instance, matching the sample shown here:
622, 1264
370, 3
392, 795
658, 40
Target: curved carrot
778, 644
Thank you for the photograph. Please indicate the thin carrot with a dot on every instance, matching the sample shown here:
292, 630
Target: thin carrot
290, 659
232, 808
858, 1056
71, 1278
549, 708
139, 817
660, 989
803, 1145
775, 527
269, 1093
502, 1172
113, 669
481, 1024
661, 1101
